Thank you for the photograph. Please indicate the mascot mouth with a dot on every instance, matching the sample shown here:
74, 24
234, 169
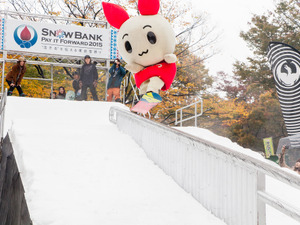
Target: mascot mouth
144, 53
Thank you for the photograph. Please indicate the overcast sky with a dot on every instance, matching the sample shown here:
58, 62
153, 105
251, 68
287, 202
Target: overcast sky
230, 18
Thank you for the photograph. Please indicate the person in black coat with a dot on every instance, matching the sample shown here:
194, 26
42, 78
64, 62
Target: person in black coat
88, 78
117, 73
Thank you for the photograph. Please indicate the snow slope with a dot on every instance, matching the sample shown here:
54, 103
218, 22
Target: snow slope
78, 169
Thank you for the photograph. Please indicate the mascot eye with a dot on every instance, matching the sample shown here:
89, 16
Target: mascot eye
151, 37
128, 47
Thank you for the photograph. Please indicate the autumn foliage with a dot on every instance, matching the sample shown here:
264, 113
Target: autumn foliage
244, 107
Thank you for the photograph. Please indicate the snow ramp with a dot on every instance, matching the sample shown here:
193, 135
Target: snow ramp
79, 169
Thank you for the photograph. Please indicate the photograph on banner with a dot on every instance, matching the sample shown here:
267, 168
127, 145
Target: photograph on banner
56, 39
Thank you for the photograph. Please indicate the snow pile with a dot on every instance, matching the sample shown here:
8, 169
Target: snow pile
77, 168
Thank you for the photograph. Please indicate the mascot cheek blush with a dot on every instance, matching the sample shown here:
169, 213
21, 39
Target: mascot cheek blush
146, 43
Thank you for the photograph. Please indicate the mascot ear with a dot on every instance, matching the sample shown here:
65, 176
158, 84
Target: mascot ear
114, 14
148, 7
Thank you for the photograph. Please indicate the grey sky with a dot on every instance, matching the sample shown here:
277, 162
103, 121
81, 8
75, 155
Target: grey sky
230, 18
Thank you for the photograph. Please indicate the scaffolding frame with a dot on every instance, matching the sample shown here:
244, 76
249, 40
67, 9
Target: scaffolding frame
51, 60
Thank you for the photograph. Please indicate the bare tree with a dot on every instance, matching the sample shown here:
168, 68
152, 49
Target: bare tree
82, 9
192, 30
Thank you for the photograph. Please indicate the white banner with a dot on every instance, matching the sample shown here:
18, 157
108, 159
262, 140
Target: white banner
67, 40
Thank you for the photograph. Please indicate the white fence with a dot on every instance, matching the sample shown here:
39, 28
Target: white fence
229, 184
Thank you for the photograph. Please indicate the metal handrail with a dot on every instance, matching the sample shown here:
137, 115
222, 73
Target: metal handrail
229, 183
49, 63
189, 118
51, 17
135, 95
129, 83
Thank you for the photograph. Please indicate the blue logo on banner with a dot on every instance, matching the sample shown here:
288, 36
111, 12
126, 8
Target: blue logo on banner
2, 33
23, 36
113, 45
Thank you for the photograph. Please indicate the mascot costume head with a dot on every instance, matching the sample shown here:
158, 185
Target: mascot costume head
146, 43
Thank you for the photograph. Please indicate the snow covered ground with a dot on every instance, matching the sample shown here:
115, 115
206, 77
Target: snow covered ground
77, 168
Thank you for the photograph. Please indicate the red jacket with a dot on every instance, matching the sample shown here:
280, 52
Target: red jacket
163, 70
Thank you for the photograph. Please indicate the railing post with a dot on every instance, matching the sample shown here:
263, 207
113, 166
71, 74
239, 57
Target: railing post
107, 65
3, 103
261, 206
195, 114
181, 117
51, 71
125, 84
135, 95
3, 70
175, 117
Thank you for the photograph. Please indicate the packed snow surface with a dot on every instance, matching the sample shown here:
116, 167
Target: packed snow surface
78, 169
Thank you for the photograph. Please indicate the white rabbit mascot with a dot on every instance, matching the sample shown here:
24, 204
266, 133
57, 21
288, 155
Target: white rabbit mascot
146, 43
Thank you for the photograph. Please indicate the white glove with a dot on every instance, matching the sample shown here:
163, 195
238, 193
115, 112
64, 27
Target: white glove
133, 67
170, 58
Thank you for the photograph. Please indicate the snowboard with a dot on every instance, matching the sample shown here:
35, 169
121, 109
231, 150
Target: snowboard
147, 102
70, 95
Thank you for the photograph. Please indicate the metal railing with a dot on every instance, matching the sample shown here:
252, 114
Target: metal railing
127, 81
51, 18
2, 113
228, 183
189, 118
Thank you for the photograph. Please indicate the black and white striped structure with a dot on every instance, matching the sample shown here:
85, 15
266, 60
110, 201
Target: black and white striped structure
285, 65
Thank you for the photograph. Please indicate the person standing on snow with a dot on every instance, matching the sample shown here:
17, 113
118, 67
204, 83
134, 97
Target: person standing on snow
88, 78
117, 73
15, 76
76, 85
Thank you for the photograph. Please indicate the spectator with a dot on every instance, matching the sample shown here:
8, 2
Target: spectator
117, 73
53, 95
282, 162
15, 76
61, 93
88, 77
77, 85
